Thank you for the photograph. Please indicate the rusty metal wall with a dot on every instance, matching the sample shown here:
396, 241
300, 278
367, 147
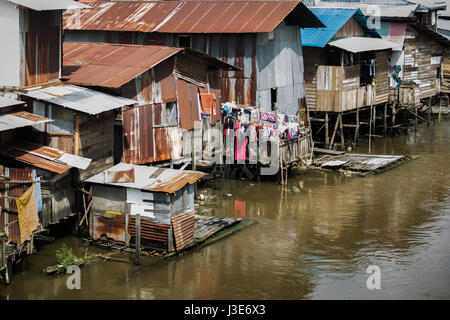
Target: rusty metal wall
14, 191
156, 233
187, 104
183, 229
41, 42
138, 135
113, 228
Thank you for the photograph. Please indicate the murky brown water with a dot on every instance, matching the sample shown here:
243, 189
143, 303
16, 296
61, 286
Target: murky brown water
314, 239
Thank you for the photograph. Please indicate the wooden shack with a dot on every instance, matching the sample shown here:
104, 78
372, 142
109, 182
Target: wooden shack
31, 37
23, 164
83, 121
262, 38
164, 199
346, 65
167, 82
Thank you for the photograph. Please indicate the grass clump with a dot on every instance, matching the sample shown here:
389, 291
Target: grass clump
65, 257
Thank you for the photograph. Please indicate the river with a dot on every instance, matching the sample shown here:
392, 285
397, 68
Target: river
314, 239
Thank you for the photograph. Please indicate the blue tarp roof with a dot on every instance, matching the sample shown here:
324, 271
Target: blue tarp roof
334, 19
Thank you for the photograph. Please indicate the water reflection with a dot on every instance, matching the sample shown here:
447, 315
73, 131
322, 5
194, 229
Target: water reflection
314, 239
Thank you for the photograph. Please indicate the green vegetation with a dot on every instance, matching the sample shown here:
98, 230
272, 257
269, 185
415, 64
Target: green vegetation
65, 258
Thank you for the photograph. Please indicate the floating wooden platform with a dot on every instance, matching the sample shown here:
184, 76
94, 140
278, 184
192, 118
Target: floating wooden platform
206, 231
360, 164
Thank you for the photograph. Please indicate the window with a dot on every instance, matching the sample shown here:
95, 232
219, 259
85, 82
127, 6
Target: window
271, 35
170, 114
184, 41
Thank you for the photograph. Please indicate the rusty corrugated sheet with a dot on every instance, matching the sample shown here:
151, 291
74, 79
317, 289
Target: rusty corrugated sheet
163, 75
162, 144
120, 16
113, 228
110, 65
151, 231
191, 16
42, 39
32, 159
168, 180
183, 229
176, 182
187, 104
120, 176
138, 135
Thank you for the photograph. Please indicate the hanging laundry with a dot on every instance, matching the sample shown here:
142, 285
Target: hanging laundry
267, 116
208, 103
241, 143
27, 213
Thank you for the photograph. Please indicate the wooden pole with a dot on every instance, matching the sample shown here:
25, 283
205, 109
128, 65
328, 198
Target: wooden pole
393, 113
415, 120
341, 129
327, 134
385, 118
138, 239
334, 131
370, 128
429, 112
357, 126
76, 136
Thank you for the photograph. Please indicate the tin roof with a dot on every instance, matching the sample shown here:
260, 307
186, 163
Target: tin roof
40, 5
113, 65
362, 44
146, 177
43, 157
110, 65
190, 16
334, 19
385, 10
7, 102
77, 98
20, 119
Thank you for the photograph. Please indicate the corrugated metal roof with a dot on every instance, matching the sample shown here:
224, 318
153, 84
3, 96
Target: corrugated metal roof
77, 98
41, 5
20, 119
147, 178
334, 19
43, 157
7, 102
110, 65
113, 65
386, 10
362, 44
190, 16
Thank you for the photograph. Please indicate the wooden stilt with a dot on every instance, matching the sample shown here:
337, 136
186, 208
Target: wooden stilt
327, 134
429, 112
416, 118
138, 239
370, 129
357, 127
334, 131
385, 118
341, 129
393, 113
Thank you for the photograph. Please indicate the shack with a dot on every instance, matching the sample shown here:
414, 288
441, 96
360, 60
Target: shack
346, 67
31, 34
23, 164
262, 38
174, 87
164, 199
416, 63
83, 122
